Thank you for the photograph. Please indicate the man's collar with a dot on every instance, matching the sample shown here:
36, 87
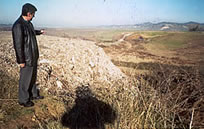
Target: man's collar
25, 21
23, 18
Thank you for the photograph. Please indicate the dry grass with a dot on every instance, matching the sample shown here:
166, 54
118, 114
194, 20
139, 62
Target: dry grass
167, 98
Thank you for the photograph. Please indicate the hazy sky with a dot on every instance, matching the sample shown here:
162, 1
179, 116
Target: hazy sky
65, 13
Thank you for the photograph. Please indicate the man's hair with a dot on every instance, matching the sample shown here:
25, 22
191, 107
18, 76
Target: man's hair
28, 8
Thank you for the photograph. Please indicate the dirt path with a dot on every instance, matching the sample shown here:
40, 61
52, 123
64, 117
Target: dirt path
130, 52
124, 36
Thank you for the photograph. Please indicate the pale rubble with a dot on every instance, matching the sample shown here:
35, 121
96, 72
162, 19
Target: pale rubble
76, 62
64, 63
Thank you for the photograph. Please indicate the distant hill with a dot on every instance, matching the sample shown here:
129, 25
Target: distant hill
163, 26
5, 27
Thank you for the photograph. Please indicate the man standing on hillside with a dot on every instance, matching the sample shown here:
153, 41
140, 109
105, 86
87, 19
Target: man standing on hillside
27, 54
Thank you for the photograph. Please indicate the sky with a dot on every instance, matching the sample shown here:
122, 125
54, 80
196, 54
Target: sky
68, 13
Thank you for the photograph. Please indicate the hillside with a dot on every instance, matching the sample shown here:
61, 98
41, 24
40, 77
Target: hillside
161, 26
147, 26
108, 79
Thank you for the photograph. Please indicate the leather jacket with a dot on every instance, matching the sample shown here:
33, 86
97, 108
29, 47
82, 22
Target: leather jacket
25, 42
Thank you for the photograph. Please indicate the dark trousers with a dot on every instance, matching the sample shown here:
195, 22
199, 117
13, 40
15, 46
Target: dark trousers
27, 83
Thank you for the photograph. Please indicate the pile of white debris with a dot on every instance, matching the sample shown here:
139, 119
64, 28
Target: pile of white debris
64, 63
74, 62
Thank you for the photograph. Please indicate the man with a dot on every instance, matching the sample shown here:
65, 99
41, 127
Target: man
27, 54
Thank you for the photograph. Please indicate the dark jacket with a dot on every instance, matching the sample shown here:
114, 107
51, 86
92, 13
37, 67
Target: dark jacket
25, 43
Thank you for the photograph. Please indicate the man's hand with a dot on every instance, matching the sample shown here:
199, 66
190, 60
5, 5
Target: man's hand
42, 31
22, 65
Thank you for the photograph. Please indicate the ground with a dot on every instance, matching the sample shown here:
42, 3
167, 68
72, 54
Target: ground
134, 52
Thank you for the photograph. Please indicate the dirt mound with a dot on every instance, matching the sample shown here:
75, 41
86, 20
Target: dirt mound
134, 38
8, 67
64, 62
73, 62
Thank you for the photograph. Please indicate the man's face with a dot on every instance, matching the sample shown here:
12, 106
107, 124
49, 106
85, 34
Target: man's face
30, 16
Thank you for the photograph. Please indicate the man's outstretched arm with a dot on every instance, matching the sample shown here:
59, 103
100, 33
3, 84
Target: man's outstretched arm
39, 32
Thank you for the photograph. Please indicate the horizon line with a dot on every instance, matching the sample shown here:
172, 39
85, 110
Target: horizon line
73, 26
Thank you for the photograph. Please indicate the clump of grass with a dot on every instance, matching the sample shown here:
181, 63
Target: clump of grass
166, 98
137, 105
180, 93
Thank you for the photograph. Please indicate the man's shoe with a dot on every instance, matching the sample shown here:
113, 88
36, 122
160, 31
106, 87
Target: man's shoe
27, 104
38, 97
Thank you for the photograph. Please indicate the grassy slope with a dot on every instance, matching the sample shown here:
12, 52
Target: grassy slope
152, 108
